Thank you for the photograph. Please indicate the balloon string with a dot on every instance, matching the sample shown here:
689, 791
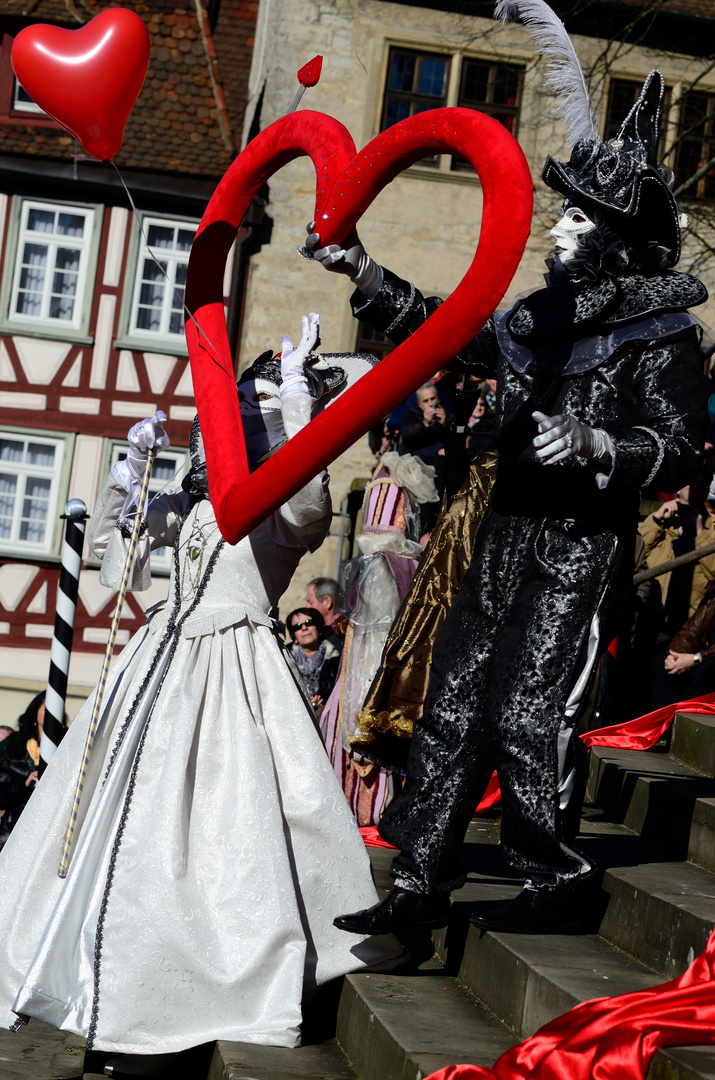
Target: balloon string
177, 294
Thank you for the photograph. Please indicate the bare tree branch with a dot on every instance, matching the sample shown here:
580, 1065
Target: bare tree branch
695, 177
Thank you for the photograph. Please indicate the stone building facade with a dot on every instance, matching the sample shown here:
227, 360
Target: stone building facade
383, 60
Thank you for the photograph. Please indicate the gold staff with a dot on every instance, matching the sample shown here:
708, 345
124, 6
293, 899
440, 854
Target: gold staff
128, 564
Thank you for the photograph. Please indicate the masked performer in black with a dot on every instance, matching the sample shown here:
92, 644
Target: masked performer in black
601, 392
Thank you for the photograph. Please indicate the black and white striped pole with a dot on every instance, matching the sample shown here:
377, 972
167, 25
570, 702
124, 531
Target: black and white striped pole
76, 515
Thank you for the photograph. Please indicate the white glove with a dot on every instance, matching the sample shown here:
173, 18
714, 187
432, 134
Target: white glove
294, 382
144, 436
562, 437
351, 260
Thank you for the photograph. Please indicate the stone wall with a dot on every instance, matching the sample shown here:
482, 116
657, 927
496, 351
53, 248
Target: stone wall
426, 224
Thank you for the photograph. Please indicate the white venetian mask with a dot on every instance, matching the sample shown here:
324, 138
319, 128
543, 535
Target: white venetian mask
568, 232
258, 395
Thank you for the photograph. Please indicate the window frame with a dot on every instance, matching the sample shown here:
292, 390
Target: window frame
443, 167
78, 330
412, 97
138, 340
491, 108
51, 548
29, 107
10, 116
114, 448
696, 192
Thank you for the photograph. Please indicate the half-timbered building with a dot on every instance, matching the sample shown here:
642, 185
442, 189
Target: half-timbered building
91, 319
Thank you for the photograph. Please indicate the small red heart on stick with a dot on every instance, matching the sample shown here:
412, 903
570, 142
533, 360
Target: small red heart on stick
309, 74
346, 186
87, 79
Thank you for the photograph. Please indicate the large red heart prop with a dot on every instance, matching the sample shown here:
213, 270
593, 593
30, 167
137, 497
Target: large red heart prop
346, 185
87, 79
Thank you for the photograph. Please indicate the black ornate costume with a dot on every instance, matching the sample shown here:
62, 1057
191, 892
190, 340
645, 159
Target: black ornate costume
513, 658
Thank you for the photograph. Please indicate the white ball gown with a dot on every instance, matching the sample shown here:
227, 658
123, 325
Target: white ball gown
215, 846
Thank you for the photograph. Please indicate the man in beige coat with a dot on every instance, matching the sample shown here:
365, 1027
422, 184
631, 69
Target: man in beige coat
682, 524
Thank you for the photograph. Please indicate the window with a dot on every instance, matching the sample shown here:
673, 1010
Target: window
166, 474
53, 251
692, 147
372, 341
494, 89
22, 102
157, 307
696, 144
30, 478
16, 106
417, 81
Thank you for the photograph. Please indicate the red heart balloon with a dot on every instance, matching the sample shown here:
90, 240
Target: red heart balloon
87, 79
346, 186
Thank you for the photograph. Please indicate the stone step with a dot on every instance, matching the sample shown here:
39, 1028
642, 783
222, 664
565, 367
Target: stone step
683, 1063
40, 1052
657, 797
539, 977
527, 979
693, 742
662, 913
404, 1027
659, 912
244, 1061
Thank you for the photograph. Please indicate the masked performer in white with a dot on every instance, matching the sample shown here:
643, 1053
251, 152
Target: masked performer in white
215, 846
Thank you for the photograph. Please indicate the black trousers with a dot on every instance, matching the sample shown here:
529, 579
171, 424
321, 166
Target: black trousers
508, 668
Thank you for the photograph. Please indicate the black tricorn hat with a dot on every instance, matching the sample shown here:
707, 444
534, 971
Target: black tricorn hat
622, 179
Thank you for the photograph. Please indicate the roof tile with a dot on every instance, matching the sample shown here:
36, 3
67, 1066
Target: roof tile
177, 101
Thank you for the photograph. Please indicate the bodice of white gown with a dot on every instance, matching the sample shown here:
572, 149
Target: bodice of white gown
246, 581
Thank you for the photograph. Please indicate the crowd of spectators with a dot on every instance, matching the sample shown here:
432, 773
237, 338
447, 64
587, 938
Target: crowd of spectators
19, 761
655, 660
665, 651
446, 423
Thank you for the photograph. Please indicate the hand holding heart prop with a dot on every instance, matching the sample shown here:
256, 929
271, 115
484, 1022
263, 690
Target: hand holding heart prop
346, 186
87, 79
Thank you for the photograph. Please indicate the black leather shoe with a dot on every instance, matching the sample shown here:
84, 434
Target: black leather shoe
400, 909
536, 911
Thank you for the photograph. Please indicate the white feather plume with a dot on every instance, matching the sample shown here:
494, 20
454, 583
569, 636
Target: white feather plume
564, 72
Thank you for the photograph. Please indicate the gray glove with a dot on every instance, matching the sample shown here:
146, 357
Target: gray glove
562, 437
351, 260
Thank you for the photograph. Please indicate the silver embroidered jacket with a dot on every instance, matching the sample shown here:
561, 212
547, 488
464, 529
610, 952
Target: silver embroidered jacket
639, 377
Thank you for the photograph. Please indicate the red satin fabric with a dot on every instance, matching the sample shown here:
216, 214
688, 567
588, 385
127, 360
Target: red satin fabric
612, 1038
638, 734
372, 837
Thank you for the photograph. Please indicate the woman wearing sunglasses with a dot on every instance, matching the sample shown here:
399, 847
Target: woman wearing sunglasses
316, 658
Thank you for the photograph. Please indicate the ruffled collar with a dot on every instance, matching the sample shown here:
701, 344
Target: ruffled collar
562, 330
564, 310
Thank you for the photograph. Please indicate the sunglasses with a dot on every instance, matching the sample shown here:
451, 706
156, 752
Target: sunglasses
298, 625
